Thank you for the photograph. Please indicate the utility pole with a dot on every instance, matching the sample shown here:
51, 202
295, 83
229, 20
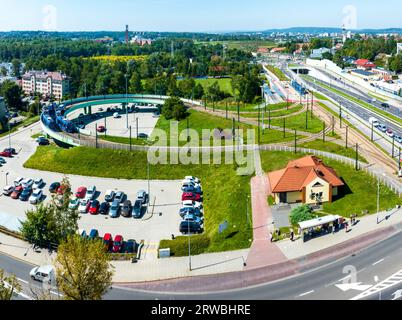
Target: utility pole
136, 122
226, 109
269, 119
238, 112
126, 76
393, 146
333, 125
259, 122
307, 118
347, 136
188, 130
340, 115
189, 246
357, 157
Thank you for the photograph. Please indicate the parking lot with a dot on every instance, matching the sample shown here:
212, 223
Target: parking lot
117, 127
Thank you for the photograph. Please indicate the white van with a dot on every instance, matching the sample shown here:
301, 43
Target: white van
8, 190
45, 274
374, 122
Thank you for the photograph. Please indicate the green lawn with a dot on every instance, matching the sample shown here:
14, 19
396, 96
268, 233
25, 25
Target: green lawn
225, 192
275, 114
124, 140
298, 122
224, 84
332, 148
359, 195
281, 76
27, 122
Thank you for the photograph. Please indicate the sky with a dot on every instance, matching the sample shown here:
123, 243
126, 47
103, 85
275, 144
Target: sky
196, 15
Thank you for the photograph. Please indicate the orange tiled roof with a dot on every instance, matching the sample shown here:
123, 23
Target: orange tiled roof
299, 173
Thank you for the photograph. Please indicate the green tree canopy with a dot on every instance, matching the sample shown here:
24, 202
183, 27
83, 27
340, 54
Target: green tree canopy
83, 269
175, 109
9, 286
300, 214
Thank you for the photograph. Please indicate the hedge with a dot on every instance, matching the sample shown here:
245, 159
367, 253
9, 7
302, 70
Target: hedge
179, 246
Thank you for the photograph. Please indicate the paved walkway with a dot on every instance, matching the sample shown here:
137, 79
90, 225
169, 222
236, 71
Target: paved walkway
262, 251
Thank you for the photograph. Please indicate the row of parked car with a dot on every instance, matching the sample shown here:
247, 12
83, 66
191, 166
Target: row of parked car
383, 128
192, 211
112, 245
26, 190
115, 203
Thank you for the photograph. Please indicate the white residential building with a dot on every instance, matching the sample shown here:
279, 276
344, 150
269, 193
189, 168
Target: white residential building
48, 84
399, 48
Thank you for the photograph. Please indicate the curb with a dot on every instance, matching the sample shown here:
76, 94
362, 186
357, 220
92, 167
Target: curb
270, 273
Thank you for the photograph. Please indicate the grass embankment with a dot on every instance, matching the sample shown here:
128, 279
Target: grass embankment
275, 114
225, 84
298, 122
225, 193
281, 76
332, 148
359, 195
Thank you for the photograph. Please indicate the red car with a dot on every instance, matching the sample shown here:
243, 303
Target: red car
191, 196
61, 190
94, 207
108, 241
6, 154
117, 244
17, 192
81, 192
101, 129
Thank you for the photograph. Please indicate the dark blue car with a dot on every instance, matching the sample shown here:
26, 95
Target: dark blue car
26, 193
94, 234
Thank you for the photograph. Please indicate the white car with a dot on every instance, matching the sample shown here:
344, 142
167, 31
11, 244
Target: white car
27, 183
191, 178
74, 204
116, 115
8, 190
91, 193
18, 181
192, 204
83, 206
36, 196
38, 183
43, 274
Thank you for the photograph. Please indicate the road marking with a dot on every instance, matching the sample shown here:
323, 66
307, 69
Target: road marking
353, 286
378, 262
306, 293
23, 281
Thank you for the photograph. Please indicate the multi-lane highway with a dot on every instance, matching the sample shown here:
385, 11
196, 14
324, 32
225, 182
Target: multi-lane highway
334, 281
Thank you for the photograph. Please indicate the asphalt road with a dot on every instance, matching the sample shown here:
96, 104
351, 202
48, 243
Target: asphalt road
381, 260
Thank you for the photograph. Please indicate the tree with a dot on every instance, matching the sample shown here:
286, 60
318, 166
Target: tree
174, 108
3, 71
83, 269
12, 94
9, 286
53, 222
300, 214
16, 67
187, 86
136, 83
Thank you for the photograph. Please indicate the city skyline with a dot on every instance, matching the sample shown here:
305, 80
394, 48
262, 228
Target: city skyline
194, 16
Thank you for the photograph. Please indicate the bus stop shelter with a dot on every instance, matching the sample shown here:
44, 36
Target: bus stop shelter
320, 226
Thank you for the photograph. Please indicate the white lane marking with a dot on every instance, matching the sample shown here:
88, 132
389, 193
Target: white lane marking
306, 293
22, 280
378, 262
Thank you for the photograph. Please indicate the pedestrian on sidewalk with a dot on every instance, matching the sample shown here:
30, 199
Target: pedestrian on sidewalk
271, 236
292, 235
346, 226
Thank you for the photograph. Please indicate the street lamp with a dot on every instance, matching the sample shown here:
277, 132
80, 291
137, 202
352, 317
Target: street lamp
126, 76
7, 173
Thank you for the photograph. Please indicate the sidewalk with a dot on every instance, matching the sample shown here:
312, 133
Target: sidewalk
297, 249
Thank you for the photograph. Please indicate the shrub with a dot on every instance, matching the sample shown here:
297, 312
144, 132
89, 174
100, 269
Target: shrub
300, 214
179, 246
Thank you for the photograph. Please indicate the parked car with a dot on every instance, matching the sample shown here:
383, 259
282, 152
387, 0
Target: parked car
10, 150
191, 196
93, 235
129, 247
137, 209
192, 204
185, 211
194, 179
126, 209
142, 196
143, 136
81, 192
54, 187
385, 105
38, 183
114, 209
8, 190
187, 227
2, 161
382, 128
43, 142
18, 181
101, 129
192, 189
193, 218
116, 115
109, 196
84, 206
17, 192
94, 207
108, 241
36, 196
6, 154
25, 194
120, 197
27, 183
91, 193
118, 244
104, 208
62, 190
399, 139
74, 204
